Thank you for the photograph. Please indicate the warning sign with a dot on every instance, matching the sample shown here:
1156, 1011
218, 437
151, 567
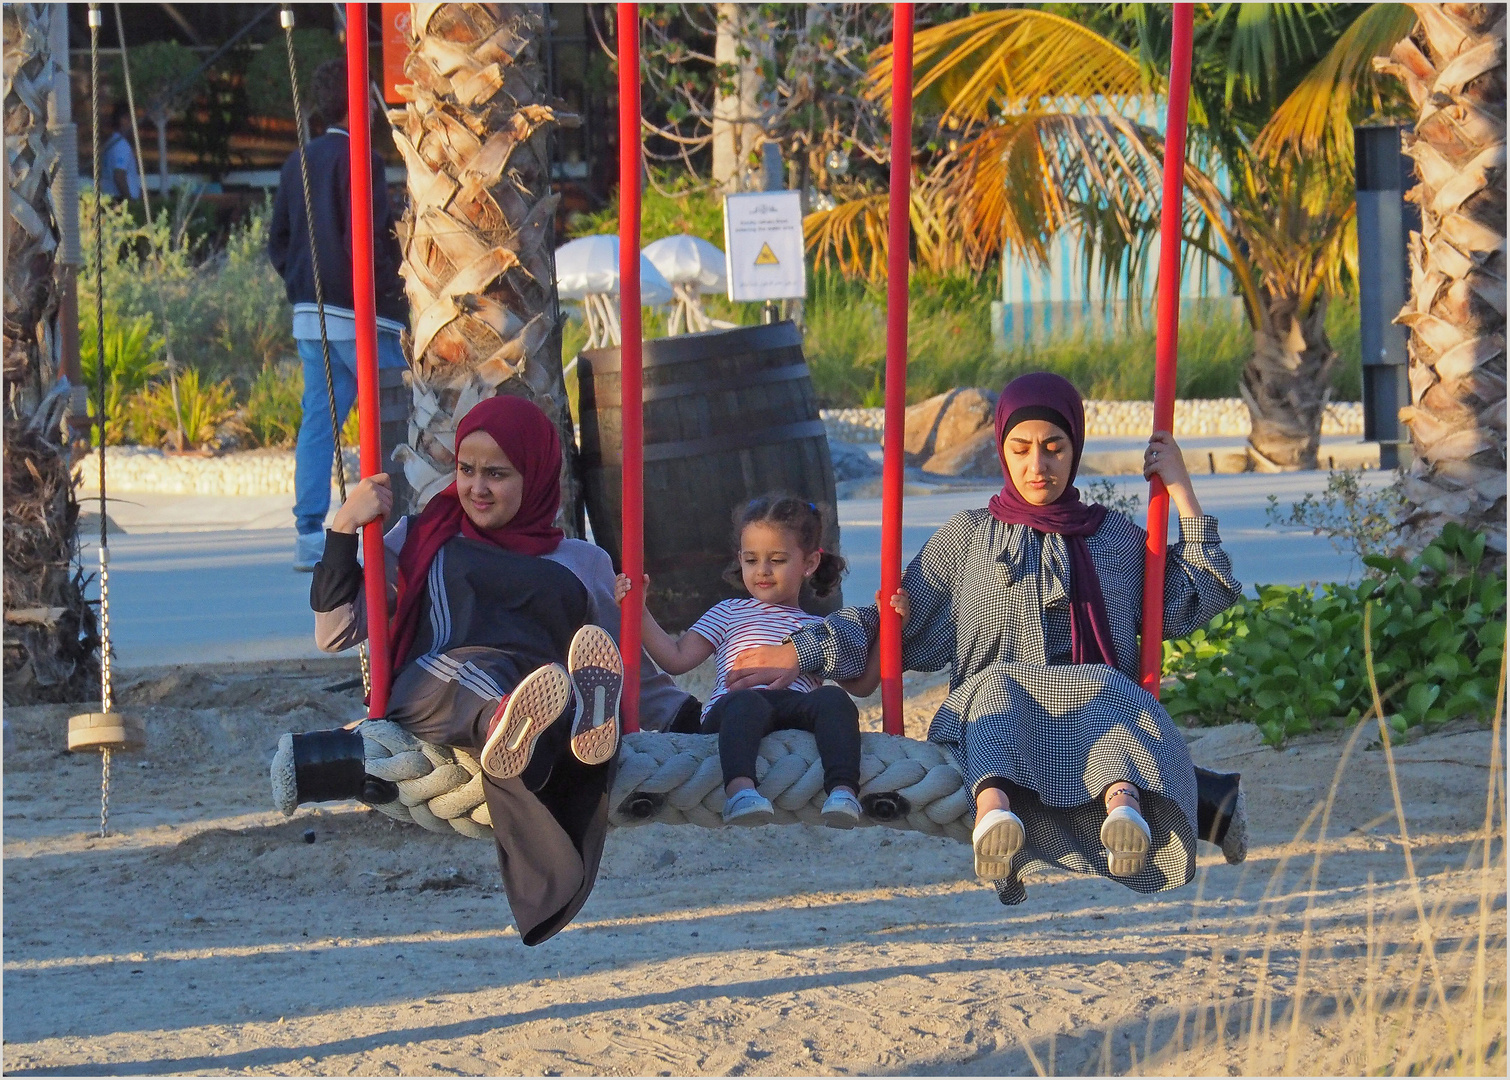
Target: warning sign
763, 246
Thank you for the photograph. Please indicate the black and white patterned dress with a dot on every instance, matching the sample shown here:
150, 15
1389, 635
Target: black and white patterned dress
990, 601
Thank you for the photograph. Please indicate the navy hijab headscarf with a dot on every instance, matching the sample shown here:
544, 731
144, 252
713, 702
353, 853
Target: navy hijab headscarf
1045, 396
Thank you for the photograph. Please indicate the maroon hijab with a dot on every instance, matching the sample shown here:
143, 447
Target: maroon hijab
529, 439
1045, 396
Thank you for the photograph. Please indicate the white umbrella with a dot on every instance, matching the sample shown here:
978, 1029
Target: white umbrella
693, 266
588, 270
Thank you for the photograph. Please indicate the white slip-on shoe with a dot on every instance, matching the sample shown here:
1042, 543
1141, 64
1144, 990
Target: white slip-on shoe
597, 672
536, 703
748, 807
1126, 838
998, 836
841, 810
309, 549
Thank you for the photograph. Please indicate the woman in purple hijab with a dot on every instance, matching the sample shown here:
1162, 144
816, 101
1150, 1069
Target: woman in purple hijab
1033, 603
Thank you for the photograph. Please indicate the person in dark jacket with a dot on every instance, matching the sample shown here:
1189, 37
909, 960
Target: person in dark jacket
288, 247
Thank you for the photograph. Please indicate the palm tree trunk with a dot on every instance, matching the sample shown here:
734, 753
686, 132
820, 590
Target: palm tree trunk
479, 233
50, 630
1286, 383
1453, 64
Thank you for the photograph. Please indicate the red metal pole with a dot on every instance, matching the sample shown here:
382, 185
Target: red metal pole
1166, 347
364, 303
633, 456
898, 243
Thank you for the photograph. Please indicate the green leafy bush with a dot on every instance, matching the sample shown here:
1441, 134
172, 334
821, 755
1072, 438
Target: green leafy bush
1291, 660
184, 412
275, 404
132, 359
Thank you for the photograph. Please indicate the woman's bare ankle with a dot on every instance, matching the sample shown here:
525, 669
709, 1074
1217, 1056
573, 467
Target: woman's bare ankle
738, 784
1121, 793
991, 798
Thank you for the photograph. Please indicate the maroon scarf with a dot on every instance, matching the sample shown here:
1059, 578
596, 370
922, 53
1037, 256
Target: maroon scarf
529, 439
1045, 396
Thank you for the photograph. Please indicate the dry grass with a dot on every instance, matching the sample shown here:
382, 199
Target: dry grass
1415, 986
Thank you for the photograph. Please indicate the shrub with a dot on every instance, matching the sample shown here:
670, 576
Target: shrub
132, 359
275, 404
1359, 521
184, 412
1291, 661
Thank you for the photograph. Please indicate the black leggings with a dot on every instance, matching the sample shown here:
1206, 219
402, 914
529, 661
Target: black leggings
743, 718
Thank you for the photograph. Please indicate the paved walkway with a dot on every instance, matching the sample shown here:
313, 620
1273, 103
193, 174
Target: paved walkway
229, 594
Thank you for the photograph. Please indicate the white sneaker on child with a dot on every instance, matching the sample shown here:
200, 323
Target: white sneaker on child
748, 807
841, 810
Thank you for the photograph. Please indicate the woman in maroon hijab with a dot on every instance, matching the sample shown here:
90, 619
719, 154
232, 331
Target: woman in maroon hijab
1034, 604
502, 645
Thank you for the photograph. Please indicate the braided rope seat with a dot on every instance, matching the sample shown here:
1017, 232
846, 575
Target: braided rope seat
675, 779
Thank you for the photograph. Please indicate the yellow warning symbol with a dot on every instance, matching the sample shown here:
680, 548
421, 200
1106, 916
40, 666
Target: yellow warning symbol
767, 257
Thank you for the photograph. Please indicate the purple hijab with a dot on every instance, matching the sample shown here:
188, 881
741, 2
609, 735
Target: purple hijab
1045, 396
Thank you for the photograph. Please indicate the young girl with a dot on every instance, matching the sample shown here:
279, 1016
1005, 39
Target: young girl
778, 543
1034, 604
489, 601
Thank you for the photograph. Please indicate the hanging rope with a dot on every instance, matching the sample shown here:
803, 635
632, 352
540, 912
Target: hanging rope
107, 694
286, 20
673, 779
136, 135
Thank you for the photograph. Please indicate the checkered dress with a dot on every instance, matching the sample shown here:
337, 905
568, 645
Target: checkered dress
991, 602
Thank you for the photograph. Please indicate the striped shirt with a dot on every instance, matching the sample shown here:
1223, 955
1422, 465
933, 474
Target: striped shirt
732, 626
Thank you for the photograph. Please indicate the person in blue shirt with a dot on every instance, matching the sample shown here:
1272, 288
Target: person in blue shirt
288, 246
119, 177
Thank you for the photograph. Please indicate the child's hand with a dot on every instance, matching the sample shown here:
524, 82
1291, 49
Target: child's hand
898, 603
622, 585
368, 501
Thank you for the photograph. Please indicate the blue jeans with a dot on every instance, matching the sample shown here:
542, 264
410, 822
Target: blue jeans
314, 454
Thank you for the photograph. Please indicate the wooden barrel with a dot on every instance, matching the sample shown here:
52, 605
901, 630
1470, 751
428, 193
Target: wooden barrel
729, 415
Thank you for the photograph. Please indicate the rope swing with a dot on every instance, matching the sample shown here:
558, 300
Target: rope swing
671, 779
674, 778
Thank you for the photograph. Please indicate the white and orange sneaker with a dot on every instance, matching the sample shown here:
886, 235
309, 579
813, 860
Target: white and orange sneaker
597, 674
535, 704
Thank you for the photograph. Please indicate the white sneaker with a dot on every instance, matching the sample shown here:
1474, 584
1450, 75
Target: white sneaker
309, 549
748, 807
841, 810
998, 836
1126, 838
535, 704
597, 674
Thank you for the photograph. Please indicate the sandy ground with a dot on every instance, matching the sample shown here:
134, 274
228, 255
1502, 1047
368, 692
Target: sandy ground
206, 935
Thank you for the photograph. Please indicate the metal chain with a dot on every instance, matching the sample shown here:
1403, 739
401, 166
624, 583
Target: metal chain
286, 20
104, 792
106, 691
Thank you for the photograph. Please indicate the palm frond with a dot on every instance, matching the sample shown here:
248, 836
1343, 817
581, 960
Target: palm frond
853, 237
1010, 59
1027, 178
1317, 117
1268, 37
